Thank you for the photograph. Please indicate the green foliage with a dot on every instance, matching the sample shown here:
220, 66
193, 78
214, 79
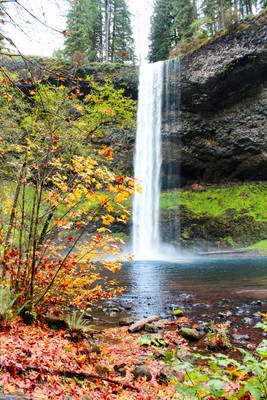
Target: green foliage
7, 302
263, 324
77, 323
50, 153
259, 246
183, 25
122, 43
221, 376
83, 30
151, 341
171, 22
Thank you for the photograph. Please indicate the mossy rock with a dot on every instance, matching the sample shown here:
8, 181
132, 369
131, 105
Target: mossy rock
190, 333
177, 313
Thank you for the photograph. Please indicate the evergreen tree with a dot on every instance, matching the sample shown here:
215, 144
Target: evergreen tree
175, 20
82, 29
121, 39
171, 22
100, 30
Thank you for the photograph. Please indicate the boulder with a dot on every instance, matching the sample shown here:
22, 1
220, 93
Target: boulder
190, 333
142, 371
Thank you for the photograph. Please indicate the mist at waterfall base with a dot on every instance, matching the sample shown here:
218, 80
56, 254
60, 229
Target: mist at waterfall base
157, 107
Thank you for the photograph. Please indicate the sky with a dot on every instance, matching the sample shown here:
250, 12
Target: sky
35, 39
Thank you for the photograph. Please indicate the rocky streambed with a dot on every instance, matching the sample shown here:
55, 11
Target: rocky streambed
232, 291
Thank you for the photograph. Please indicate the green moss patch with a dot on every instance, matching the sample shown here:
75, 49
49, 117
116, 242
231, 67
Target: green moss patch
246, 199
231, 216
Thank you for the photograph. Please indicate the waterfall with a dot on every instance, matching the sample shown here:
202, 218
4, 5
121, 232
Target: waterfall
155, 94
147, 164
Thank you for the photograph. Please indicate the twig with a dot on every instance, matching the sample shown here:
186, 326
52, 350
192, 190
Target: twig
72, 374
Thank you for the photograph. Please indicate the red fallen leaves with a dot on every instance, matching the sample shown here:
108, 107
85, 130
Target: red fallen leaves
24, 346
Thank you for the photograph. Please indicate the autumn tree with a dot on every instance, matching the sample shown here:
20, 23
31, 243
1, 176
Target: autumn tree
61, 190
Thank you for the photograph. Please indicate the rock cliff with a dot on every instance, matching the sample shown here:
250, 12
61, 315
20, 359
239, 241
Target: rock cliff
223, 118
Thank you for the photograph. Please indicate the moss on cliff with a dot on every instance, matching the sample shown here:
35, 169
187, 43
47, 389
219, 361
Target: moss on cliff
233, 215
246, 199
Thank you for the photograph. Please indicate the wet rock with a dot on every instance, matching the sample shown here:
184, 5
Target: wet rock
256, 303
112, 314
240, 338
88, 316
185, 296
257, 316
202, 326
139, 325
151, 328
248, 321
128, 307
142, 371
190, 333
166, 373
225, 314
183, 354
240, 311
120, 369
224, 300
126, 321
114, 310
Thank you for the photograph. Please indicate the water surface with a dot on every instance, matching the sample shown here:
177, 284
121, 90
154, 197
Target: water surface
201, 286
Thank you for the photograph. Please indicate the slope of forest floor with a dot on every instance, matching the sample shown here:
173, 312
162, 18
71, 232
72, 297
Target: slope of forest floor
116, 364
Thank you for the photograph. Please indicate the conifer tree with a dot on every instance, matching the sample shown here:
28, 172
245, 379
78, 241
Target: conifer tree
100, 30
171, 22
175, 20
83, 29
121, 40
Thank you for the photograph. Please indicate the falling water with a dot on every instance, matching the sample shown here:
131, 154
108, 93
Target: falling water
147, 165
156, 91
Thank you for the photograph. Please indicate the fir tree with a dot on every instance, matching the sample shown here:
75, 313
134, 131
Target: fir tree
171, 22
100, 30
121, 43
82, 29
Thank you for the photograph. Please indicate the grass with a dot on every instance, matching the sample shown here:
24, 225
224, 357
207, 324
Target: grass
249, 199
260, 246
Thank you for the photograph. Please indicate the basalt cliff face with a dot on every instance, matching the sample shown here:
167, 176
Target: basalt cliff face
222, 130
